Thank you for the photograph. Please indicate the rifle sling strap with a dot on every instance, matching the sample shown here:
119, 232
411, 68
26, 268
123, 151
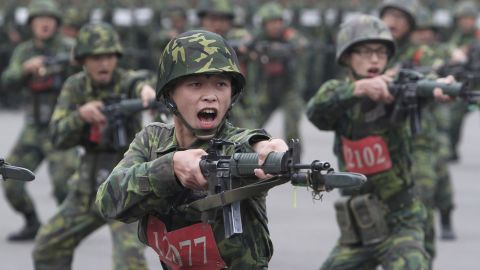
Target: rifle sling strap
233, 195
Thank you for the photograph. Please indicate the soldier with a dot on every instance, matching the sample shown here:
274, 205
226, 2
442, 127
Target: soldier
200, 80
382, 222
435, 191
73, 21
279, 78
466, 33
78, 120
28, 69
401, 17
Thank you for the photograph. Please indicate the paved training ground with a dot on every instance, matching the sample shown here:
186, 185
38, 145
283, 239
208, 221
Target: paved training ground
302, 236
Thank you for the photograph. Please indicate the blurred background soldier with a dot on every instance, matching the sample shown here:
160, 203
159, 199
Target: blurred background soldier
278, 70
10, 36
431, 147
72, 22
464, 35
40, 66
78, 120
176, 22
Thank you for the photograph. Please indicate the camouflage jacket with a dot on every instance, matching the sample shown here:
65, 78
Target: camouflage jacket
68, 129
144, 183
41, 91
334, 107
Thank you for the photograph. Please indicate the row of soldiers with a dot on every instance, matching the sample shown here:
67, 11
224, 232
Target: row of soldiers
275, 62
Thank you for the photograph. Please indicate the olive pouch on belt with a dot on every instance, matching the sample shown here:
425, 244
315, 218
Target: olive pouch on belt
348, 233
369, 214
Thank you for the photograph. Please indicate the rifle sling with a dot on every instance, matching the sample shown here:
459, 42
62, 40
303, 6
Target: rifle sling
233, 195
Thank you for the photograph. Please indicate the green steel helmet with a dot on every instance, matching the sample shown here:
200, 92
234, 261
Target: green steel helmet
74, 18
43, 8
97, 38
216, 7
194, 53
424, 19
270, 11
410, 8
198, 52
363, 28
465, 9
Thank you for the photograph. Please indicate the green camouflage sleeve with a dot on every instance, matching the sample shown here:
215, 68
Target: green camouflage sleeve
329, 103
13, 75
66, 126
136, 185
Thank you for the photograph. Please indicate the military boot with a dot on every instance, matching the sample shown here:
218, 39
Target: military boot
447, 232
29, 231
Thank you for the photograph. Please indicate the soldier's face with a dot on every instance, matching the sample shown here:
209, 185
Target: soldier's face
368, 60
217, 24
423, 36
397, 21
43, 27
274, 28
466, 23
203, 100
100, 67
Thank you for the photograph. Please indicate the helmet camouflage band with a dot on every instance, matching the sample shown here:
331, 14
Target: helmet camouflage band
360, 29
410, 8
198, 52
43, 8
95, 39
216, 7
270, 11
466, 9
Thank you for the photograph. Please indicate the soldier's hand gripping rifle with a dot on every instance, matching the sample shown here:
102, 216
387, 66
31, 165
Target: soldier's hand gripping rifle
284, 166
411, 88
9, 172
117, 112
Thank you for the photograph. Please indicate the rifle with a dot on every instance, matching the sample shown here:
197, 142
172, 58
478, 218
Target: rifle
411, 88
54, 64
14, 173
116, 112
284, 166
465, 72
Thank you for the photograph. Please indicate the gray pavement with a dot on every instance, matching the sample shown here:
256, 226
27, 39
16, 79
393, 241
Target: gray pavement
303, 230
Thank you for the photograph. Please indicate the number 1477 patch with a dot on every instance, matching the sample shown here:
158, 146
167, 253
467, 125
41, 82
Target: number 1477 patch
368, 156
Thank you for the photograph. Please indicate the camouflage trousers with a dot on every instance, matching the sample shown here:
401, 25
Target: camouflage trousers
33, 147
77, 218
458, 111
426, 183
403, 249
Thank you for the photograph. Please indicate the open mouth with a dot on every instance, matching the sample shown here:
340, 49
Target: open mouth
373, 72
207, 118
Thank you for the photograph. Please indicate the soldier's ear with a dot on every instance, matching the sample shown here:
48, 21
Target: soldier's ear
346, 59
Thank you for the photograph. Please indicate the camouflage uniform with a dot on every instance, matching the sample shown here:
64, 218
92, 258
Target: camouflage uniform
78, 217
33, 145
144, 183
424, 144
278, 73
398, 243
461, 39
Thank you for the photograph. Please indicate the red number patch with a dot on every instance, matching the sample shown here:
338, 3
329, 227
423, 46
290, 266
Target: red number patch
192, 247
367, 156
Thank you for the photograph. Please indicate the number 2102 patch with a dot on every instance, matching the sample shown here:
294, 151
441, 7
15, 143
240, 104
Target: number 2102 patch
368, 156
